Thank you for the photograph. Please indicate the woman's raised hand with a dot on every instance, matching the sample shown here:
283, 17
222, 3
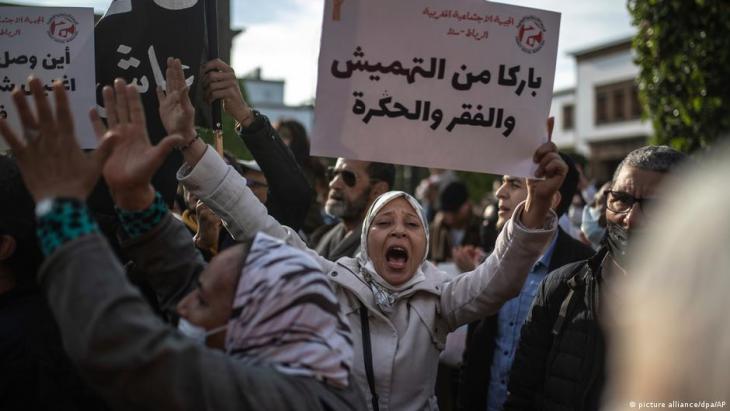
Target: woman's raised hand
176, 111
129, 170
49, 158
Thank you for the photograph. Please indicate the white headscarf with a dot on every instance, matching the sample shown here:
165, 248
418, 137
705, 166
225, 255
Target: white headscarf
385, 293
285, 314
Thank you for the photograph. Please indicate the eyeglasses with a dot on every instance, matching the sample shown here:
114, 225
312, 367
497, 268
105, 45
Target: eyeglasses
621, 202
348, 177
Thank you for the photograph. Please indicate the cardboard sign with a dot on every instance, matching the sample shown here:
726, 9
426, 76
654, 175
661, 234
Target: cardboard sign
462, 85
51, 43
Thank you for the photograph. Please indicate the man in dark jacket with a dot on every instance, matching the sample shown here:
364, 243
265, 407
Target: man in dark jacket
491, 343
288, 193
560, 361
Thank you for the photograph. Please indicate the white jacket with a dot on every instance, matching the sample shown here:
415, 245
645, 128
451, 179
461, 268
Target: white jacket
406, 344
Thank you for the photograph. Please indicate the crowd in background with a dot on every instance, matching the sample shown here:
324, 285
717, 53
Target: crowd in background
282, 283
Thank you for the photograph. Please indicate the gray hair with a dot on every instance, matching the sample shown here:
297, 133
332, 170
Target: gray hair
660, 159
667, 324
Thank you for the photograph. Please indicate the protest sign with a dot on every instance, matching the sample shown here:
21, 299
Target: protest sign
51, 43
462, 85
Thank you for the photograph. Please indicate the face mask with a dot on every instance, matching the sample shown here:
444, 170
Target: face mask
591, 228
575, 214
196, 333
618, 242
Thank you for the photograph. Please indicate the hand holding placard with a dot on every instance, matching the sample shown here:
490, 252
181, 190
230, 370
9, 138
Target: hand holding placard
220, 82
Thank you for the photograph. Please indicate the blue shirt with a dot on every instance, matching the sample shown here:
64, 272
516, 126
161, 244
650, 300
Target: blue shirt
509, 324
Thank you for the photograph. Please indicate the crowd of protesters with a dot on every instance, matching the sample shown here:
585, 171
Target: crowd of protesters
279, 284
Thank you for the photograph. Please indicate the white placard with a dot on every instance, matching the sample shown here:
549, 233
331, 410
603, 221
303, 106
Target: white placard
51, 43
455, 84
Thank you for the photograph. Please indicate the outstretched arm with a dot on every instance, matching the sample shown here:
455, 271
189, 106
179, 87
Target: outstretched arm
500, 277
159, 246
86, 287
218, 185
125, 352
480, 293
222, 189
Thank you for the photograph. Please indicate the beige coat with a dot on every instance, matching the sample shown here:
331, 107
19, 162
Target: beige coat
406, 344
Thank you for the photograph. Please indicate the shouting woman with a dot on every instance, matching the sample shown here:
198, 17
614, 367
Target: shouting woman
400, 307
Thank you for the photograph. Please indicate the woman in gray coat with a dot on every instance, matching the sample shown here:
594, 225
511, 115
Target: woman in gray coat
400, 307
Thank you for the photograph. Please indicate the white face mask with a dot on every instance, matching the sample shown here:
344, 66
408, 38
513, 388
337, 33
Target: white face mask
591, 228
575, 214
197, 333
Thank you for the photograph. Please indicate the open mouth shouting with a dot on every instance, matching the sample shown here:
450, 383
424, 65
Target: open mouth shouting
396, 257
397, 242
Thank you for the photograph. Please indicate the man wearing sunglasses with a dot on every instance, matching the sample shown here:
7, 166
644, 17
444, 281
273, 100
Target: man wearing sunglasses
353, 186
560, 359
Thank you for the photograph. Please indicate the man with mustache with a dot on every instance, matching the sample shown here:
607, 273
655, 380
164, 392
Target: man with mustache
354, 185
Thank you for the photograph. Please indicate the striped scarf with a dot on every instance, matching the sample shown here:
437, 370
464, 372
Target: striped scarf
286, 314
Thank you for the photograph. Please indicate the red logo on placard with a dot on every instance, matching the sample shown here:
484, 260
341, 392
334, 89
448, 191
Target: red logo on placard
530, 34
63, 28
337, 10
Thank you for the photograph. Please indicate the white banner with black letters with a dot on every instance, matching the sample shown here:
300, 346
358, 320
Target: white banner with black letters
455, 84
51, 43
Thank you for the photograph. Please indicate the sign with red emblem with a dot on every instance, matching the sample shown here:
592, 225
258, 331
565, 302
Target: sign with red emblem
530, 34
63, 28
53, 44
454, 84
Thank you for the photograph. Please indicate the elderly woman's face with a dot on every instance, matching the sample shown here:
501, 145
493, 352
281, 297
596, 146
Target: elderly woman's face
210, 304
396, 242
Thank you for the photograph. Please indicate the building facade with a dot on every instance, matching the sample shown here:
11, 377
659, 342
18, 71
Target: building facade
267, 96
601, 117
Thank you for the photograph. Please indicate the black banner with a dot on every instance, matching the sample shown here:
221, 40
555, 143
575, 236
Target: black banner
133, 41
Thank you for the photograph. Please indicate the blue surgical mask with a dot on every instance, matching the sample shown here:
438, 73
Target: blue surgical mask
591, 228
197, 333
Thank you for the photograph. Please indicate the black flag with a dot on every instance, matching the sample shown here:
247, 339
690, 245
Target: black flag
133, 41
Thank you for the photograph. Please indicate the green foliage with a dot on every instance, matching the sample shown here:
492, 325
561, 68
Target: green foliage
479, 184
231, 141
683, 51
